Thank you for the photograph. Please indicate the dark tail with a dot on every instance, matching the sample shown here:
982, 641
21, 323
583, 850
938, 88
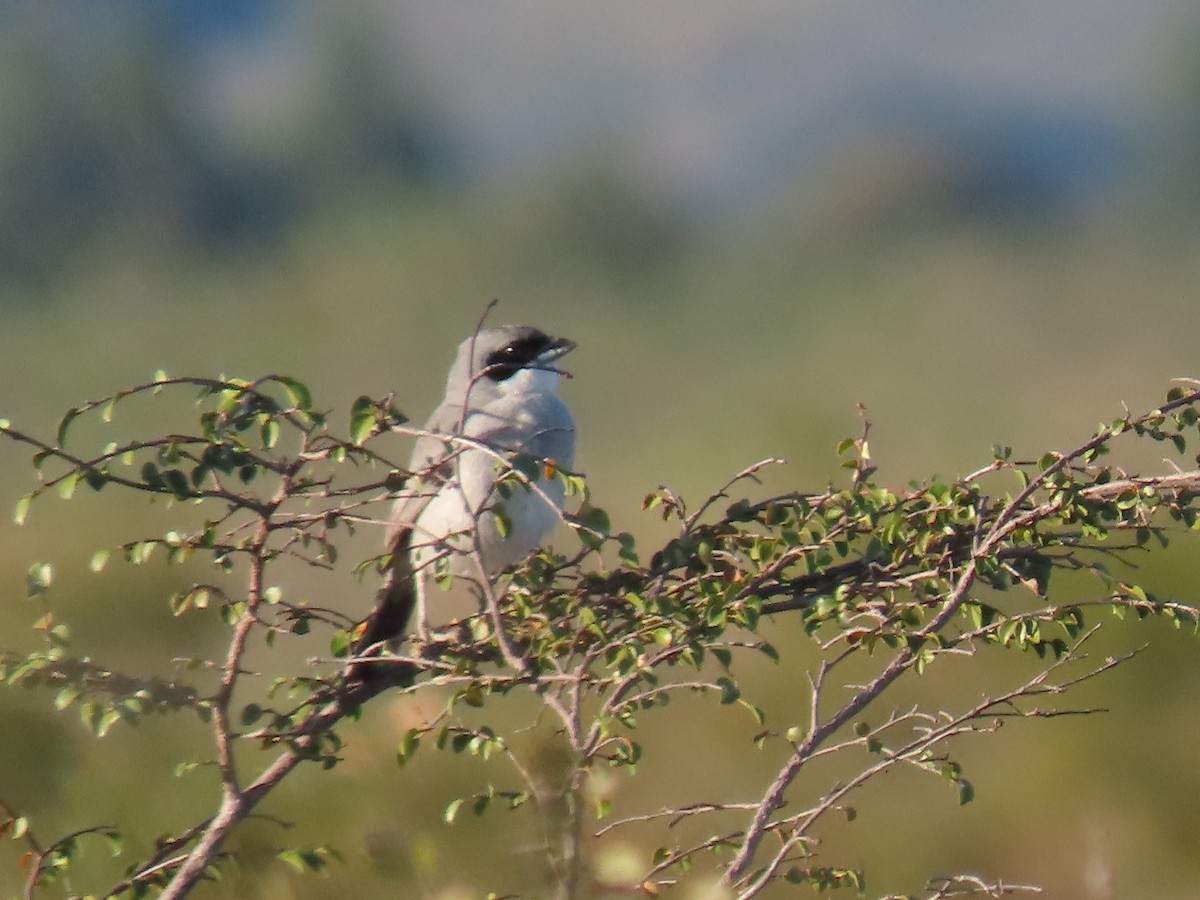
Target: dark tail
394, 604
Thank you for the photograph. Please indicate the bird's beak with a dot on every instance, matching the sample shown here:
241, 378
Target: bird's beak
557, 348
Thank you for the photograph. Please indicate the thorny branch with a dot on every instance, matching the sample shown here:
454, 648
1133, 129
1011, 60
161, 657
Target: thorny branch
902, 579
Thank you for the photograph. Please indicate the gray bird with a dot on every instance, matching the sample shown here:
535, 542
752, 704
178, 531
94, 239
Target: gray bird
501, 400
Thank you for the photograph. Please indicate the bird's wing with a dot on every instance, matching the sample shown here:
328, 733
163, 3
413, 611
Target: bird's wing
502, 425
396, 599
428, 470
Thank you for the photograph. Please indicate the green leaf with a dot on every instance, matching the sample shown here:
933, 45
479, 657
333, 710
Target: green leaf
339, 643
151, 476
628, 552
759, 716
452, 809
178, 483
65, 424
196, 596
116, 845
99, 560
503, 522
729, 690
298, 859
408, 746
596, 519
21, 511
106, 722
297, 392
66, 487
363, 415
472, 695
38, 579
966, 792
139, 551
294, 858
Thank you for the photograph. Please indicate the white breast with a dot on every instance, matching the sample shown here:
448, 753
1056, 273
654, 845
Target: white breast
459, 519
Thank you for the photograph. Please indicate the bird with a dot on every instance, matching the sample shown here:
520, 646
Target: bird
501, 402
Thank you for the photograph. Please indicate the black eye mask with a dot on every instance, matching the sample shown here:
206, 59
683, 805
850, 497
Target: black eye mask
504, 363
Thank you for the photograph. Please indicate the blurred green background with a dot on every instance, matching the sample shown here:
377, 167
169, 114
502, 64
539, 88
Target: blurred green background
981, 221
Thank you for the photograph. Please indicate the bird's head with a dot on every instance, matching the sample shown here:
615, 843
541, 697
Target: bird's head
509, 359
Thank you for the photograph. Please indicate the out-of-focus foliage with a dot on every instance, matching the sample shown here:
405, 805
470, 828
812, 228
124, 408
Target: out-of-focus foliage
890, 589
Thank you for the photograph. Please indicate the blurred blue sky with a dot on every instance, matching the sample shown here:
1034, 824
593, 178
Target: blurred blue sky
200, 124
710, 104
719, 101
714, 101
